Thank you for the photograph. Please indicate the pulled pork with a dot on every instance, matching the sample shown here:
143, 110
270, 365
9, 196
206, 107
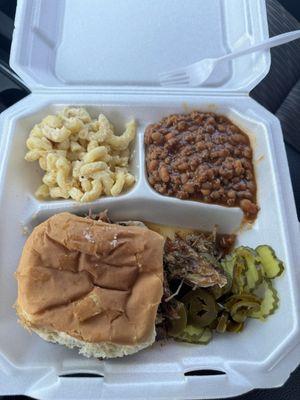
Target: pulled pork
195, 259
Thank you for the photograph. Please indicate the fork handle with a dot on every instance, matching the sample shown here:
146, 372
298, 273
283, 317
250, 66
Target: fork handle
266, 44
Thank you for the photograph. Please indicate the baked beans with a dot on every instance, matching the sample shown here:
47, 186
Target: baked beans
202, 156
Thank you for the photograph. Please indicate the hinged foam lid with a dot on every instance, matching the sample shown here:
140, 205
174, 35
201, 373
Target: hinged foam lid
109, 44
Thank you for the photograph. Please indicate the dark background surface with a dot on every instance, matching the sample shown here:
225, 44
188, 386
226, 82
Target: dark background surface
12, 90
293, 6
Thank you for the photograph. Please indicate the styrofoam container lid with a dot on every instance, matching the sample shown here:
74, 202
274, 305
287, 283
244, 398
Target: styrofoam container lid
113, 44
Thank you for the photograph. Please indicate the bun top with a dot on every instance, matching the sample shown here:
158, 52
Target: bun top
95, 281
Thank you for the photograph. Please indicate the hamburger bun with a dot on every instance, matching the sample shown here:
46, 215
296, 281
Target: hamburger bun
92, 285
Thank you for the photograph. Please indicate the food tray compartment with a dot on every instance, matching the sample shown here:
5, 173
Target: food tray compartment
141, 192
244, 355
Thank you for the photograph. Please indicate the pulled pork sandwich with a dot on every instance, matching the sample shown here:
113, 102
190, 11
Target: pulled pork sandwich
91, 284
111, 289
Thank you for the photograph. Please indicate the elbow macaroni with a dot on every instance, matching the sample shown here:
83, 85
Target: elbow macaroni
119, 183
94, 193
82, 158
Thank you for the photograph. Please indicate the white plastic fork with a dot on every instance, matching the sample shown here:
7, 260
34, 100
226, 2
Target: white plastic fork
198, 73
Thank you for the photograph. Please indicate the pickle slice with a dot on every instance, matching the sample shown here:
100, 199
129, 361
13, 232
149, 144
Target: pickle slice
193, 334
270, 301
253, 273
201, 307
227, 264
222, 322
234, 327
235, 268
176, 326
272, 266
241, 310
241, 306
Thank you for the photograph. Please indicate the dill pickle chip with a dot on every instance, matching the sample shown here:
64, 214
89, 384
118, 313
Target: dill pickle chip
234, 327
201, 307
241, 310
193, 334
177, 325
269, 303
272, 266
253, 269
222, 322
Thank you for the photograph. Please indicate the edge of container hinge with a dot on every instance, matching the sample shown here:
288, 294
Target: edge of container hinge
138, 91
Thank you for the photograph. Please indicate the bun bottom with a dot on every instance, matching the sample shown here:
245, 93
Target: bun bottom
97, 350
87, 349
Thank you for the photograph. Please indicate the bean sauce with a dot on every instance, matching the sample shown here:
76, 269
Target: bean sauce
204, 157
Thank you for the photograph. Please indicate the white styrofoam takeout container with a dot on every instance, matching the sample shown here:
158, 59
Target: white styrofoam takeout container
105, 55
